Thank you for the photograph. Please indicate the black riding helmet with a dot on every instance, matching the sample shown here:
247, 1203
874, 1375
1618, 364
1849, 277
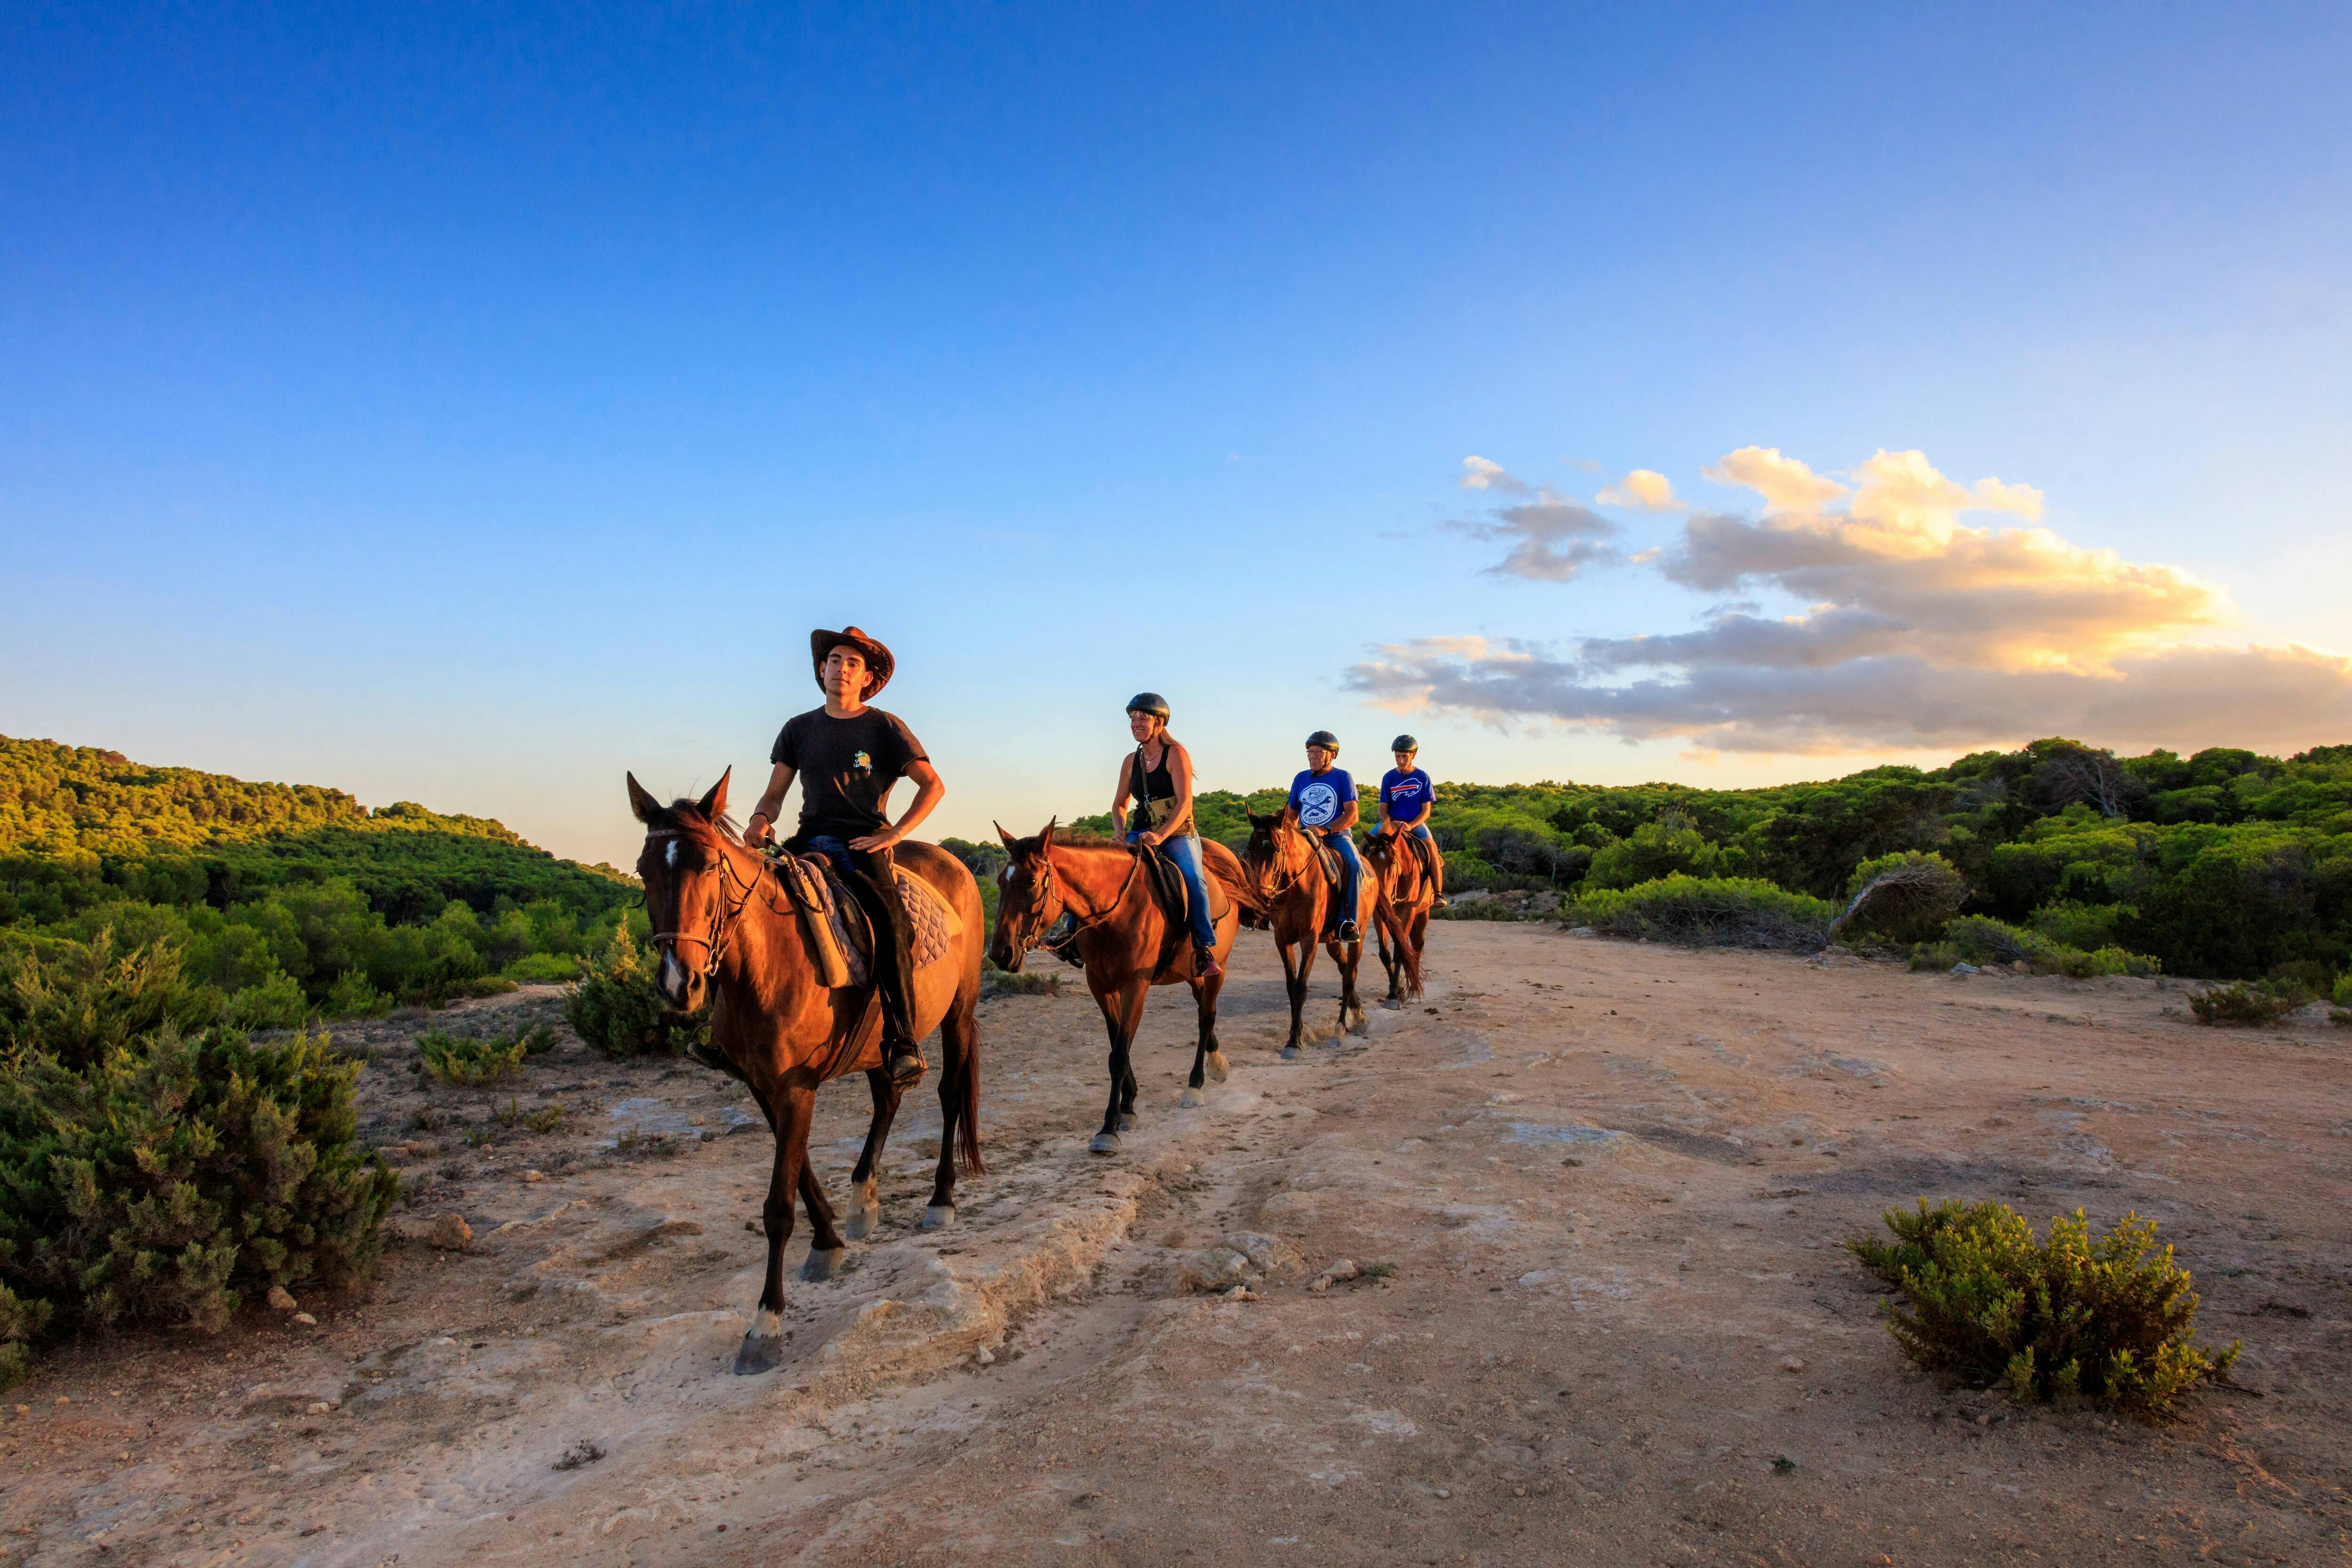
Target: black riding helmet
1404, 744
1324, 738
1149, 703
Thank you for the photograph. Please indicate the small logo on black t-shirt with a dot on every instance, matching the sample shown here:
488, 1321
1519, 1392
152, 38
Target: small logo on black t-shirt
862, 763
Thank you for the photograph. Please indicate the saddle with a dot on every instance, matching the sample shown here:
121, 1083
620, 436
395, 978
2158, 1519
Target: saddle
1168, 890
840, 937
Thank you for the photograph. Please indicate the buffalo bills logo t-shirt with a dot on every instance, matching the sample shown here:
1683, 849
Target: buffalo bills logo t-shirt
1404, 793
1318, 797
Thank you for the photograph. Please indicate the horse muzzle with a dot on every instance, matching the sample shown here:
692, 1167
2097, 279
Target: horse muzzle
1007, 957
677, 983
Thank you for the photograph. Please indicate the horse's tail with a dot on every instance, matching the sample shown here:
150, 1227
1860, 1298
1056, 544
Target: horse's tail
1398, 930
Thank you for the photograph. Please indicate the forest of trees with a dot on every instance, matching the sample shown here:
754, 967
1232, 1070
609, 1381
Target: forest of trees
284, 900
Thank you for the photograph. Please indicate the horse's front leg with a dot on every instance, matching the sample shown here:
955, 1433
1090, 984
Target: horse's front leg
764, 1342
1392, 962
1122, 1011
1294, 978
1209, 1065
865, 1199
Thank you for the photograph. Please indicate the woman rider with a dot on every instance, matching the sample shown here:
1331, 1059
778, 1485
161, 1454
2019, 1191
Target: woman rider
1159, 779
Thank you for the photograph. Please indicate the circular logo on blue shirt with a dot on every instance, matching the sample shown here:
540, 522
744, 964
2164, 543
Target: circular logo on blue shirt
1318, 802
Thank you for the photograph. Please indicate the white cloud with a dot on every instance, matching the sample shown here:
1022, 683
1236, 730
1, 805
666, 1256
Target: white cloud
1917, 630
1783, 482
1643, 489
1478, 474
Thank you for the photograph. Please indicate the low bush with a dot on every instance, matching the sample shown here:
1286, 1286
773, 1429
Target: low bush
479, 1059
354, 995
1980, 939
614, 1007
1986, 1301
1903, 897
2248, 1001
1727, 911
163, 1179
543, 969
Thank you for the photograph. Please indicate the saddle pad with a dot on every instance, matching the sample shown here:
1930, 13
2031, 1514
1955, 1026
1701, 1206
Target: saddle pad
837, 928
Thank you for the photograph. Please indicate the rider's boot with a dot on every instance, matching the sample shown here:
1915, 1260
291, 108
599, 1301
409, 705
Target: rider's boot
1204, 964
1348, 932
903, 1060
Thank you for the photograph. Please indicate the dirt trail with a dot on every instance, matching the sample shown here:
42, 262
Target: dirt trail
1610, 1181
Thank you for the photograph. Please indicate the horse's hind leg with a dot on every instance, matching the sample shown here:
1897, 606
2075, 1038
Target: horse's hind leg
825, 1237
1348, 956
763, 1343
959, 1113
865, 1198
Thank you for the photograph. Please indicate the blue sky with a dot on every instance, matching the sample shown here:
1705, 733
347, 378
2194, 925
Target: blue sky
466, 404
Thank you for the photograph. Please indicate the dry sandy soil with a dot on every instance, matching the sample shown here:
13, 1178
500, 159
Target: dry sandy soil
1609, 1181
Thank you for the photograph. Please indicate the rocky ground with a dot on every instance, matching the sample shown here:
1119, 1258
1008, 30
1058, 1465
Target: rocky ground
1592, 1193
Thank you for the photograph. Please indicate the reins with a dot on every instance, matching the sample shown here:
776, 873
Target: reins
1050, 888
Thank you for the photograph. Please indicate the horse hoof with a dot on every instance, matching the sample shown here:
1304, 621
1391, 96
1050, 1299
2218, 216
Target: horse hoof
939, 1217
862, 1223
1129, 1121
1104, 1144
1216, 1065
822, 1265
1392, 1005
760, 1353
1192, 1096
1291, 1053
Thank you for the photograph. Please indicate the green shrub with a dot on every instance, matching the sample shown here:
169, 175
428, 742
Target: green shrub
1980, 939
354, 995
463, 1060
2241, 1002
163, 1181
2071, 923
2344, 992
1937, 956
1903, 897
1654, 851
78, 1002
1727, 911
277, 1003
614, 1007
544, 968
1987, 1302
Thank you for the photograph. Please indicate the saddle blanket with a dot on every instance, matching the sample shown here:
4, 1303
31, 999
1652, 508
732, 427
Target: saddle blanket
837, 928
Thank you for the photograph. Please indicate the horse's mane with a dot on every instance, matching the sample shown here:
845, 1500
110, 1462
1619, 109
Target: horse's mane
687, 814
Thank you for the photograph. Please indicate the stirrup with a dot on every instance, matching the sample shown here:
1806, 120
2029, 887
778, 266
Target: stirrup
1348, 932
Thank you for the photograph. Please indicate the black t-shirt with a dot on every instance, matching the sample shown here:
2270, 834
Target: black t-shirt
846, 768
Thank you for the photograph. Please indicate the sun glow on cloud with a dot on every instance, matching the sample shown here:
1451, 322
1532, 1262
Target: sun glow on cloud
1917, 629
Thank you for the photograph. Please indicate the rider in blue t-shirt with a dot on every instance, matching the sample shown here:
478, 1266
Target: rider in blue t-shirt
1406, 799
1323, 802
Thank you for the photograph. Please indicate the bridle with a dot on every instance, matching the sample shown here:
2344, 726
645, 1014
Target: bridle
1281, 863
714, 945
1048, 887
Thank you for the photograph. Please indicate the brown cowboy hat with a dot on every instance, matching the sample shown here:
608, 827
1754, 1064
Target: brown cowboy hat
878, 662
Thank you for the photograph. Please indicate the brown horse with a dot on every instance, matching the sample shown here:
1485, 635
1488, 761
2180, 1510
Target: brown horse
1121, 937
779, 1028
1285, 880
1408, 892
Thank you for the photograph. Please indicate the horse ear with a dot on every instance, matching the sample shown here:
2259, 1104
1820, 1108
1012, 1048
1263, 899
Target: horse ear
1009, 840
645, 805
1045, 839
714, 804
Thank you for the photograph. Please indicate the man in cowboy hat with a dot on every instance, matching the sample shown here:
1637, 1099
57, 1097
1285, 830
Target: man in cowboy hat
848, 757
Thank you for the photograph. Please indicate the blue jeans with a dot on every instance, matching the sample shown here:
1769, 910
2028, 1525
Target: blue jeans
1351, 884
1184, 849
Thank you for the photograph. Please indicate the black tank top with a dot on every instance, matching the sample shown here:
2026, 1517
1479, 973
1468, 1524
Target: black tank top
1153, 786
